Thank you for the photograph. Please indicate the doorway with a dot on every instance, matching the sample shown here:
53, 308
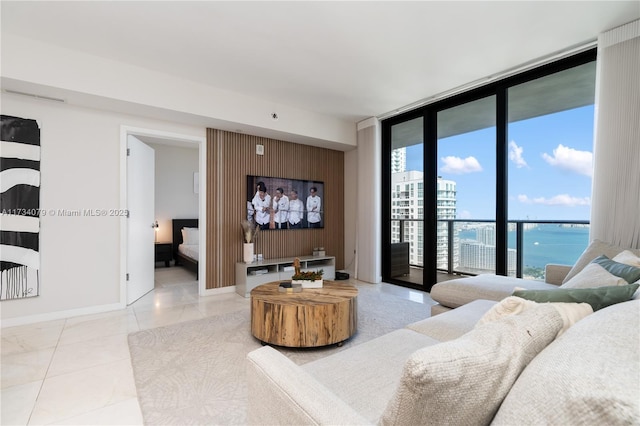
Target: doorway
197, 178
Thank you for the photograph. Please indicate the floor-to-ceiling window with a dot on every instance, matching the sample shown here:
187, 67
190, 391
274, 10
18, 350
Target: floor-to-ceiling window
550, 167
406, 170
494, 180
466, 186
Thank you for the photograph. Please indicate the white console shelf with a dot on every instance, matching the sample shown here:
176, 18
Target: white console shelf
251, 275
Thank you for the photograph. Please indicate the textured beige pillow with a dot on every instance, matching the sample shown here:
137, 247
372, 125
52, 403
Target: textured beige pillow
588, 376
595, 249
513, 305
464, 381
592, 276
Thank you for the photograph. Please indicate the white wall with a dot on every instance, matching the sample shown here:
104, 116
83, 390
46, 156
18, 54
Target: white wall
80, 169
174, 196
28, 62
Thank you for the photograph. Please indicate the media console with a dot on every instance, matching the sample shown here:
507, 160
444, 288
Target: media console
251, 275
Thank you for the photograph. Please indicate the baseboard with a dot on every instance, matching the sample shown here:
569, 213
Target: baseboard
220, 290
50, 316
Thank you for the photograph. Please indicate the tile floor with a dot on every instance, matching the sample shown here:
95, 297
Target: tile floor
77, 371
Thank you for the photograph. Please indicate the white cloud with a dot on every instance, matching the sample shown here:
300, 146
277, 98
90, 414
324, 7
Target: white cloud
558, 200
465, 214
571, 159
515, 155
459, 166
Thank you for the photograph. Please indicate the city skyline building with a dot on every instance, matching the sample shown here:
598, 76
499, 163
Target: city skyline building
407, 204
399, 160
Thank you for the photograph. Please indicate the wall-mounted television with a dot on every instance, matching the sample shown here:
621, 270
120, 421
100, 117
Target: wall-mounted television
280, 203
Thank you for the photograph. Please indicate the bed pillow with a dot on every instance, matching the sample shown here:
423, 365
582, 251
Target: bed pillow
598, 298
464, 381
595, 249
190, 236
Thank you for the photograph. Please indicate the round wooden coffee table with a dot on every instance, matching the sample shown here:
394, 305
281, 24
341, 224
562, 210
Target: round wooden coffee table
314, 317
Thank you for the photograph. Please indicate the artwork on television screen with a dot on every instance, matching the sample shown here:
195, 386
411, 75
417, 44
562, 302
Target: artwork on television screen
279, 203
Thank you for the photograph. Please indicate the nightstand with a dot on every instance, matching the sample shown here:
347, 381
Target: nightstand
163, 253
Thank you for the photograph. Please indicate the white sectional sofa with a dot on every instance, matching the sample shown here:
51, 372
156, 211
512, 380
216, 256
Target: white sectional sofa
453, 293
448, 369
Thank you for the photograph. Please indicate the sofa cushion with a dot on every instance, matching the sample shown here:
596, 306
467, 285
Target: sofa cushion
453, 324
596, 248
365, 376
464, 381
458, 292
591, 375
598, 298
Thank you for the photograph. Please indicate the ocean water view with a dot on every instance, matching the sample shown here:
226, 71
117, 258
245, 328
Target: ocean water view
552, 244
546, 243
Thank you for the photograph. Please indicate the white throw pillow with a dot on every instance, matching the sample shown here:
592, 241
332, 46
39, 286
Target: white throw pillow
628, 258
464, 381
592, 276
513, 305
596, 248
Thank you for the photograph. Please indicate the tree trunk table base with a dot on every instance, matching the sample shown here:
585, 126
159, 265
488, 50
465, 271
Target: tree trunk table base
314, 317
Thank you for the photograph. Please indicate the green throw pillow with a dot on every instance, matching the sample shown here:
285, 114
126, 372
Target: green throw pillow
598, 298
629, 273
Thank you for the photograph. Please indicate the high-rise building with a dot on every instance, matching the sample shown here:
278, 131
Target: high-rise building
446, 210
407, 202
486, 234
477, 257
399, 160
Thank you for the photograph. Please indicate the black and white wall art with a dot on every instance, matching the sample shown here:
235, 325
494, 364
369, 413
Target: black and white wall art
19, 208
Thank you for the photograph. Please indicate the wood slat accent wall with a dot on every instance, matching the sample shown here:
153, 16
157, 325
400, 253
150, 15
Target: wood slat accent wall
230, 158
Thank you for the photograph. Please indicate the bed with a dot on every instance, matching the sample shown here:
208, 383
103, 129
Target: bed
186, 255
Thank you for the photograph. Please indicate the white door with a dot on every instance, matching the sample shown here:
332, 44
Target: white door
140, 225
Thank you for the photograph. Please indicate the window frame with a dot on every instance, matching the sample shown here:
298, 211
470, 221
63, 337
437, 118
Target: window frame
429, 113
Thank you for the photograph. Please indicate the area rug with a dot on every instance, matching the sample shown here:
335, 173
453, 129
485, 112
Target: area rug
194, 372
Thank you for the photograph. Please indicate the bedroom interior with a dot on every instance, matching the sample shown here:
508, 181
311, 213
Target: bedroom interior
175, 199
65, 354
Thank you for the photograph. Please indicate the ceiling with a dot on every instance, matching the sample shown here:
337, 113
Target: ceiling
350, 60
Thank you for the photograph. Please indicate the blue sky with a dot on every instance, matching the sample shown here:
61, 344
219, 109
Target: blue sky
550, 164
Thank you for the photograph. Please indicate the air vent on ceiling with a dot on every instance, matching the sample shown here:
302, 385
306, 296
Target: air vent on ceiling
33, 95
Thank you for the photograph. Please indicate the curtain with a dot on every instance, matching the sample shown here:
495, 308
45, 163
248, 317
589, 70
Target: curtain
368, 234
615, 209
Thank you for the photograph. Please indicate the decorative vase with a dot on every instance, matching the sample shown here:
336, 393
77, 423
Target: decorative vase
248, 253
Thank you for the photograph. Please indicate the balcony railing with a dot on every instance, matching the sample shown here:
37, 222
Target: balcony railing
467, 246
